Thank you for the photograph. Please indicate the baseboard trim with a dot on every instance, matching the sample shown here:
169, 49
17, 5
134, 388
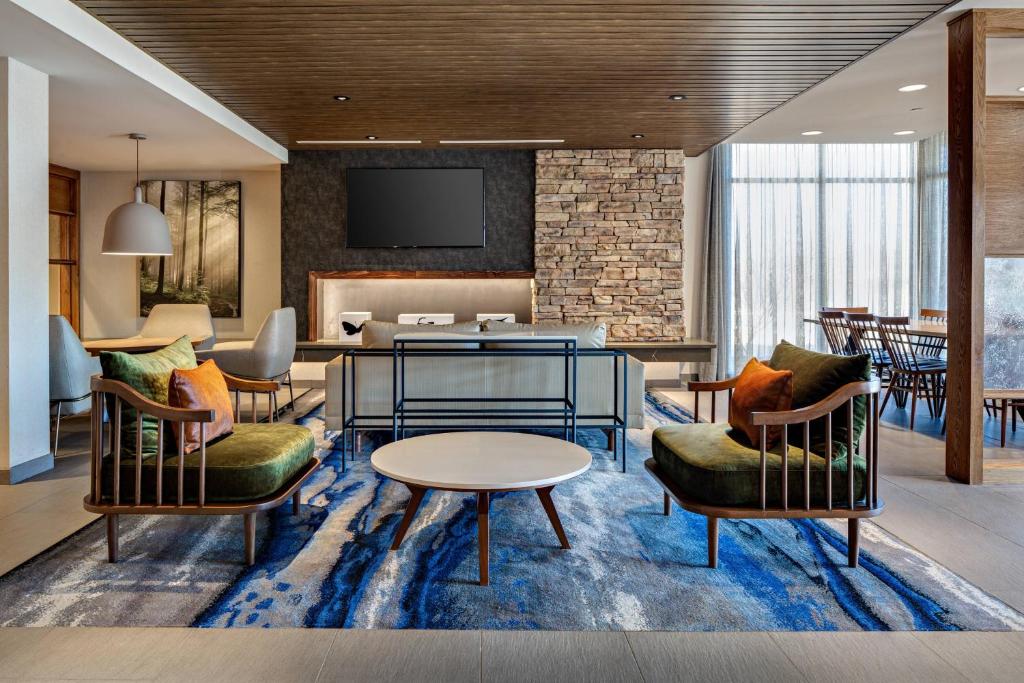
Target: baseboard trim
27, 470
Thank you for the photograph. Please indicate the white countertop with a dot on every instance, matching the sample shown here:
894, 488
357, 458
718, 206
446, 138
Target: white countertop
481, 461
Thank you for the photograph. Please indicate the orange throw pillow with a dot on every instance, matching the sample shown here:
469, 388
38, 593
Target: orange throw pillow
203, 387
759, 389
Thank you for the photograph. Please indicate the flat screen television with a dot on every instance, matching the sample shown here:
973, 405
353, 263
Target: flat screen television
415, 207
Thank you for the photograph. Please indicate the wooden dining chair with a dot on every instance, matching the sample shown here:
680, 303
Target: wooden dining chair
934, 347
837, 333
913, 375
867, 339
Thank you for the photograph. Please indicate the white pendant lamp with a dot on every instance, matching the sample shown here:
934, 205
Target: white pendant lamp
137, 228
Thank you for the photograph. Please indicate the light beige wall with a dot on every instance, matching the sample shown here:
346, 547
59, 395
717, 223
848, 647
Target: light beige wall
110, 285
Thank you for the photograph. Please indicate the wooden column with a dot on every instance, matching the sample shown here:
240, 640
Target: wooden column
966, 270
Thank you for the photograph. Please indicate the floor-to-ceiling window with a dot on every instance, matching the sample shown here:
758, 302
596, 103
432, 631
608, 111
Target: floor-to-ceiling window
806, 226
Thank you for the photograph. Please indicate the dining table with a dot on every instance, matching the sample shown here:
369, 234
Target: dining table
135, 344
916, 327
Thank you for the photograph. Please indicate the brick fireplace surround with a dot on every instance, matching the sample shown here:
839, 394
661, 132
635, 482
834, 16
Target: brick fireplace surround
608, 242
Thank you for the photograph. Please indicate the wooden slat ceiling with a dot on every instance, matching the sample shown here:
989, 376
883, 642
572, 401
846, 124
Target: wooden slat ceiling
590, 71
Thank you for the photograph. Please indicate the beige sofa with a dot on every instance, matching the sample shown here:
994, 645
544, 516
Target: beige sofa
485, 376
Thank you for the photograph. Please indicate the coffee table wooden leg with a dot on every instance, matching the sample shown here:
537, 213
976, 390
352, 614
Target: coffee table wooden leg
483, 505
549, 507
410, 512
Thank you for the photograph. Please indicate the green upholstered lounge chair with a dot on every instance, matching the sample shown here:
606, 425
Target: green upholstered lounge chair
709, 469
256, 467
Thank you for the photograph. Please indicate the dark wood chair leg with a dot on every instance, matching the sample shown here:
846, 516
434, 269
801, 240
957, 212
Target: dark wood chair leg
1002, 423
249, 520
111, 538
913, 400
296, 502
888, 393
667, 505
610, 434
483, 505
410, 512
713, 542
853, 541
549, 507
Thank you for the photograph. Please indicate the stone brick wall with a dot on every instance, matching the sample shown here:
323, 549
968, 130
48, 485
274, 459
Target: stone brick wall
609, 240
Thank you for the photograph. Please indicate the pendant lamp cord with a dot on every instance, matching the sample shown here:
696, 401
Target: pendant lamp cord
137, 184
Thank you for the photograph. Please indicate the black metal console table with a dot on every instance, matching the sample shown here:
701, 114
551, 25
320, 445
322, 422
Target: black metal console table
432, 413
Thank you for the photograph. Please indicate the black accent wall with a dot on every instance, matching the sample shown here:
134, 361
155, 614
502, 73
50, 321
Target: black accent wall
313, 208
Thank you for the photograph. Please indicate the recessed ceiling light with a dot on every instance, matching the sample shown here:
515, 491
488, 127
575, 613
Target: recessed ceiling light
677, 97
638, 136
811, 132
914, 87
500, 142
371, 137
342, 98
358, 142
905, 132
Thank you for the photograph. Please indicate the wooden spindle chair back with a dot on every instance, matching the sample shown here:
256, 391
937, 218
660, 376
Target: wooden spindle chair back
932, 346
898, 343
837, 333
866, 336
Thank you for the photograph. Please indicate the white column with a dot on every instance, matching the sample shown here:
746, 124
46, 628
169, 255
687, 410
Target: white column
24, 272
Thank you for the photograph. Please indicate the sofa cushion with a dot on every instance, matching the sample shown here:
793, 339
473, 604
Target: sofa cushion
760, 389
150, 375
815, 376
203, 387
254, 461
711, 465
588, 336
378, 334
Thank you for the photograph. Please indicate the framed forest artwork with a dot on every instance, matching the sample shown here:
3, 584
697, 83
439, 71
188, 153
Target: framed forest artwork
205, 217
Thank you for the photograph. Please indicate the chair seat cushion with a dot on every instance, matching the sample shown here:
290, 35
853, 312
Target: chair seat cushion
712, 466
930, 363
254, 461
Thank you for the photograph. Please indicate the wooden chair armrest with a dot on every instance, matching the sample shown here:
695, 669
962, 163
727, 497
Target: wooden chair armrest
142, 404
258, 385
823, 407
717, 385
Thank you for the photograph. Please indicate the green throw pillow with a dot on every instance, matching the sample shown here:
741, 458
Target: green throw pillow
815, 376
149, 374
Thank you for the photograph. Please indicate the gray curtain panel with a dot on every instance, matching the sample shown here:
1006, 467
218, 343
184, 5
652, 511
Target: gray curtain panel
713, 281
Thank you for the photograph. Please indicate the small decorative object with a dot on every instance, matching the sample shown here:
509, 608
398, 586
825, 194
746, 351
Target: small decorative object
497, 317
350, 326
426, 318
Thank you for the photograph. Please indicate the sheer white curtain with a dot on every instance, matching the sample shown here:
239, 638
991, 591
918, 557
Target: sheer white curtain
807, 226
933, 202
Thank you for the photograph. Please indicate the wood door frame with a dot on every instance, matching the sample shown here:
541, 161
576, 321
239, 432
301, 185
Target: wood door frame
70, 286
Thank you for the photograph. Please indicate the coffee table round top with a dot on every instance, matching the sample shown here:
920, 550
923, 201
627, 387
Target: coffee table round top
481, 461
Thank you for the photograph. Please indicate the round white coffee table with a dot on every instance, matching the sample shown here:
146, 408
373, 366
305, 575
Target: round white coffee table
481, 463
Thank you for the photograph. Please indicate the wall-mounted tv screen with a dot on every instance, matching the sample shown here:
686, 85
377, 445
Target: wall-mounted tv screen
415, 207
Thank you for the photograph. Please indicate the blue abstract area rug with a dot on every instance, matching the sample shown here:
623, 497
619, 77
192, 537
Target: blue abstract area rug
630, 567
